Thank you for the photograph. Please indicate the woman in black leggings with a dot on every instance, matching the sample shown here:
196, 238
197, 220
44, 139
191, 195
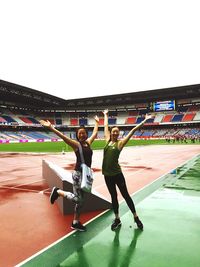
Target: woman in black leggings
112, 170
85, 142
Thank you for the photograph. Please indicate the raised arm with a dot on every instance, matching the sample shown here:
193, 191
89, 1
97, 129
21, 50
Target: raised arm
95, 131
106, 130
67, 140
124, 141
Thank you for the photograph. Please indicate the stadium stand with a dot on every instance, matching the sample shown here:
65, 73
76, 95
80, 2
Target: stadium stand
167, 118
197, 116
8, 119
2, 120
74, 122
101, 121
188, 117
21, 109
131, 120
121, 118
83, 121
177, 118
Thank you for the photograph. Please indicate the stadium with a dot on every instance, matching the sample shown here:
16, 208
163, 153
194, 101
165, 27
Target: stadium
161, 163
176, 113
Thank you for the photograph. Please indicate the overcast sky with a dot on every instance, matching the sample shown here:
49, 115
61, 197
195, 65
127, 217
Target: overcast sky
74, 49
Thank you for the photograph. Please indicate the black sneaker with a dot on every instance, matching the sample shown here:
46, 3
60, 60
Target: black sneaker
139, 223
78, 226
54, 195
116, 223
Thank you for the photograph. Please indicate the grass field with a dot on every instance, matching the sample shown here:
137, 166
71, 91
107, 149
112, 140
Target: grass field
55, 147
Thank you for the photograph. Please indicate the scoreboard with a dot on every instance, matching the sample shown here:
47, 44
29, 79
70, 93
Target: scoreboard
164, 105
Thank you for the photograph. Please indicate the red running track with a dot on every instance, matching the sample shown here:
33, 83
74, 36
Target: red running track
29, 222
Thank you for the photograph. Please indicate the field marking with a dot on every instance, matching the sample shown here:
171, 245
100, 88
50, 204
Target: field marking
19, 189
43, 191
57, 241
10, 179
28, 183
72, 232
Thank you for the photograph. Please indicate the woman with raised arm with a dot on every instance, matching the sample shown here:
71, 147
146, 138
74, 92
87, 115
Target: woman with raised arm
112, 171
78, 194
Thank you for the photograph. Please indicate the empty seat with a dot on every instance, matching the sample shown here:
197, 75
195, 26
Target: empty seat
197, 117
167, 118
74, 122
177, 117
131, 120
188, 117
8, 118
101, 121
83, 121
111, 121
26, 120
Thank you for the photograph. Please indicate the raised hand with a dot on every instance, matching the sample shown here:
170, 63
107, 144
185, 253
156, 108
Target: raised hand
45, 123
147, 116
105, 112
96, 118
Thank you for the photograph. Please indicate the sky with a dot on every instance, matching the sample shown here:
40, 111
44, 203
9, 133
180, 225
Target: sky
76, 49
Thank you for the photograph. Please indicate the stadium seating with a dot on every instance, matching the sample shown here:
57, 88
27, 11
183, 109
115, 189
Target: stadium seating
150, 120
122, 119
139, 119
183, 115
2, 120
112, 121
136, 133
8, 119
158, 118
58, 121
188, 117
73, 122
182, 109
83, 121
148, 133
133, 113
177, 118
131, 120
33, 120
101, 121
193, 108
167, 118
25, 120
197, 117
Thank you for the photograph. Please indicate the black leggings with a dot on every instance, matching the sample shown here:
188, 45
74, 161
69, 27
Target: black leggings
111, 182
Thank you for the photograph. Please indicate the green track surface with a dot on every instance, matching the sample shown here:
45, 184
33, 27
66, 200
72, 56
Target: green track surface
170, 238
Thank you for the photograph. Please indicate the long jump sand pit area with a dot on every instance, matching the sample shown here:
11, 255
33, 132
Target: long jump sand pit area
29, 222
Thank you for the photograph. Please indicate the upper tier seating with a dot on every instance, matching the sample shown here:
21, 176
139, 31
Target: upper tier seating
2, 120
83, 121
188, 117
112, 121
18, 117
177, 118
131, 120
73, 122
197, 116
167, 118
29, 120
8, 119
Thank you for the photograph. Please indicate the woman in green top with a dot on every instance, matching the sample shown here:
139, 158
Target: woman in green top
112, 171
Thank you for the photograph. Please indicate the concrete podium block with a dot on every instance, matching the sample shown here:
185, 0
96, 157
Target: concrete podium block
57, 176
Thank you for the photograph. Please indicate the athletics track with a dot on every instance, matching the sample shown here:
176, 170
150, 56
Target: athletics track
35, 233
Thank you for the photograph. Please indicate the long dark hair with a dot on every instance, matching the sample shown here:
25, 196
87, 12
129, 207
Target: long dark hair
81, 127
110, 130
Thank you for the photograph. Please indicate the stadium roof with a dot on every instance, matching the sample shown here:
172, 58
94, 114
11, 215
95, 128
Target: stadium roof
20, 96
23, 97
